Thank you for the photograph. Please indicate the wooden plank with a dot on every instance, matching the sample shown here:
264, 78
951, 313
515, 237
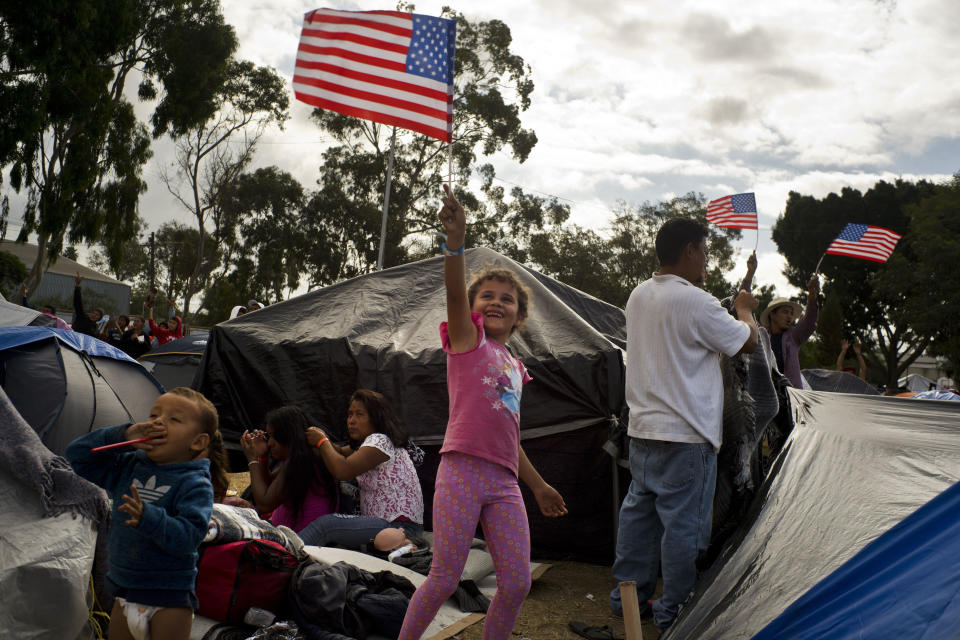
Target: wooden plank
458, 626
631, 610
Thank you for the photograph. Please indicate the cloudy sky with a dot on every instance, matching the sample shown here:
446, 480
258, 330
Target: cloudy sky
642, 100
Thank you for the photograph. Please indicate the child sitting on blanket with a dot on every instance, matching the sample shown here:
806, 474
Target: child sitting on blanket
162, 499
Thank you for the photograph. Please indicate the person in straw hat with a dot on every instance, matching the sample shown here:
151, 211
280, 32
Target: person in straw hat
786, 336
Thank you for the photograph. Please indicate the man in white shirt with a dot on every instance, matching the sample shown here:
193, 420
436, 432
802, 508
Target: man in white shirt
674, 389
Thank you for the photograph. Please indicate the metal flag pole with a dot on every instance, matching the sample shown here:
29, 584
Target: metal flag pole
386, 201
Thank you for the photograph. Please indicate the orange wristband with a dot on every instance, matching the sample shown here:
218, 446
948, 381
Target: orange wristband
322, 440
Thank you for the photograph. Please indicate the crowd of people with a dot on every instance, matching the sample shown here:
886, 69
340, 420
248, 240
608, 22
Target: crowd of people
297, 471
164, 482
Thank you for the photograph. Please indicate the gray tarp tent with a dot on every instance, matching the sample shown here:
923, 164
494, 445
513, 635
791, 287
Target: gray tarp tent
53, 530
175, 363
65, 384
380, 331
853, 467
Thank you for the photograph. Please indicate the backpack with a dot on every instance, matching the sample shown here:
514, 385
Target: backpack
235, 576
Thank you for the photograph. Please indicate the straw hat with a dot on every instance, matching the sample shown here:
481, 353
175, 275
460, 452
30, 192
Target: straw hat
779, 302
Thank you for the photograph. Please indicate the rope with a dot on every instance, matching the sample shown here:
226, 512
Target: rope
99, 619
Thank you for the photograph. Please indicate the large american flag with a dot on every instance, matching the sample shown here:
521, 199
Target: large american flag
738, 211
390, 67
864, 241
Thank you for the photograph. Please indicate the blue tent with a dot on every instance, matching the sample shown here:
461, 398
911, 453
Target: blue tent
904, 584
65, 384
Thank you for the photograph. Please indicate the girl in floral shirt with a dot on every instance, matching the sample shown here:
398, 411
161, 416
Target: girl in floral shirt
390, 494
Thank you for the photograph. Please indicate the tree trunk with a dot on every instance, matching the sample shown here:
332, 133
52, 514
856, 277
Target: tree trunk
37, 270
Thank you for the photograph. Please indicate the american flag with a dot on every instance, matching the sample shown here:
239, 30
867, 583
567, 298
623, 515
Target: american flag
864, 241
390, 67
738, 211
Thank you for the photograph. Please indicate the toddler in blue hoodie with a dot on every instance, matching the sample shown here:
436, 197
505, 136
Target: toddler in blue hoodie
162, 499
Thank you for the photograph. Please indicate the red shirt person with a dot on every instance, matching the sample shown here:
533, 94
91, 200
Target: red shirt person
164, 335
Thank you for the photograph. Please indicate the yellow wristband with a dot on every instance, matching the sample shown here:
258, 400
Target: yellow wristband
324, 439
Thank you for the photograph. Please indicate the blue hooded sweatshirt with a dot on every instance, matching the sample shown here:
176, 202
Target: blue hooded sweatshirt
160, 553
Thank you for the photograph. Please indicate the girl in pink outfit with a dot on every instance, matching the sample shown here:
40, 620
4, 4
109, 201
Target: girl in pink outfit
298, 490
481, 455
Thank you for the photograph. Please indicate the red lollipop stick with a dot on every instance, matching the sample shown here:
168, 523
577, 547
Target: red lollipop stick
120, 444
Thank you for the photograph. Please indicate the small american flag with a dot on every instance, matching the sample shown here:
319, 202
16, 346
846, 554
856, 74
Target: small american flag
738, 211
864, 241
391, 67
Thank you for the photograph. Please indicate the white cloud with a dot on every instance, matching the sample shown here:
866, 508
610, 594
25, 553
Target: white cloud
644, 100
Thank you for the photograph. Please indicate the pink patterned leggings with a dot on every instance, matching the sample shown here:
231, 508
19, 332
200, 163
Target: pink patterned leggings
468, 490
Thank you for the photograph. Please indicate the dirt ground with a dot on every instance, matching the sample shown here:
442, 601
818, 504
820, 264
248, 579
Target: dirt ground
567, 591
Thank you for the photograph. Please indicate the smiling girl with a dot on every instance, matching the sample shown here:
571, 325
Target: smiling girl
481, 454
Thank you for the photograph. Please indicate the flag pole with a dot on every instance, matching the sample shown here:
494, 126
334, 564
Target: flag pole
386, 201
817, 270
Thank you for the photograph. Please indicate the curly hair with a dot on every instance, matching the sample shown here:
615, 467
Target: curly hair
215, 451
490, 272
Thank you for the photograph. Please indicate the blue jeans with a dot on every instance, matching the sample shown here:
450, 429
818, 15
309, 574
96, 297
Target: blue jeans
665, 520
351, 531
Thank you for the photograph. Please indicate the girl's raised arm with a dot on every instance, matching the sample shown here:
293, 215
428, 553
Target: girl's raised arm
460, 328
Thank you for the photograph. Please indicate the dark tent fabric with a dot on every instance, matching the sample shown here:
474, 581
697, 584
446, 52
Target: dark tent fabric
380, 331
66, 384
175, 363
853, 467
838, 382
904, 584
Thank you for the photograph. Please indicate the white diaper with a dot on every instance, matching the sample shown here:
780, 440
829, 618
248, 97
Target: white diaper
138, 618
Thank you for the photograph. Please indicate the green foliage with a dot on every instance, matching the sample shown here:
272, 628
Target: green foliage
211, 156
13, 273
177, 247
928, 279
132, 261
872, 295
260, 230
609, 266
68, 136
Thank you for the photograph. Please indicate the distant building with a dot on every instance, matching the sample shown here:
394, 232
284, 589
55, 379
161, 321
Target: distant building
932, 368
57, 285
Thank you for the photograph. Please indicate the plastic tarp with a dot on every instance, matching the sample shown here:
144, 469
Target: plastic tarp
16, 336
853, 467
380, 331
45, 566
904, 584
13, 315
838, 382
49, 523
916, 382
65, 384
